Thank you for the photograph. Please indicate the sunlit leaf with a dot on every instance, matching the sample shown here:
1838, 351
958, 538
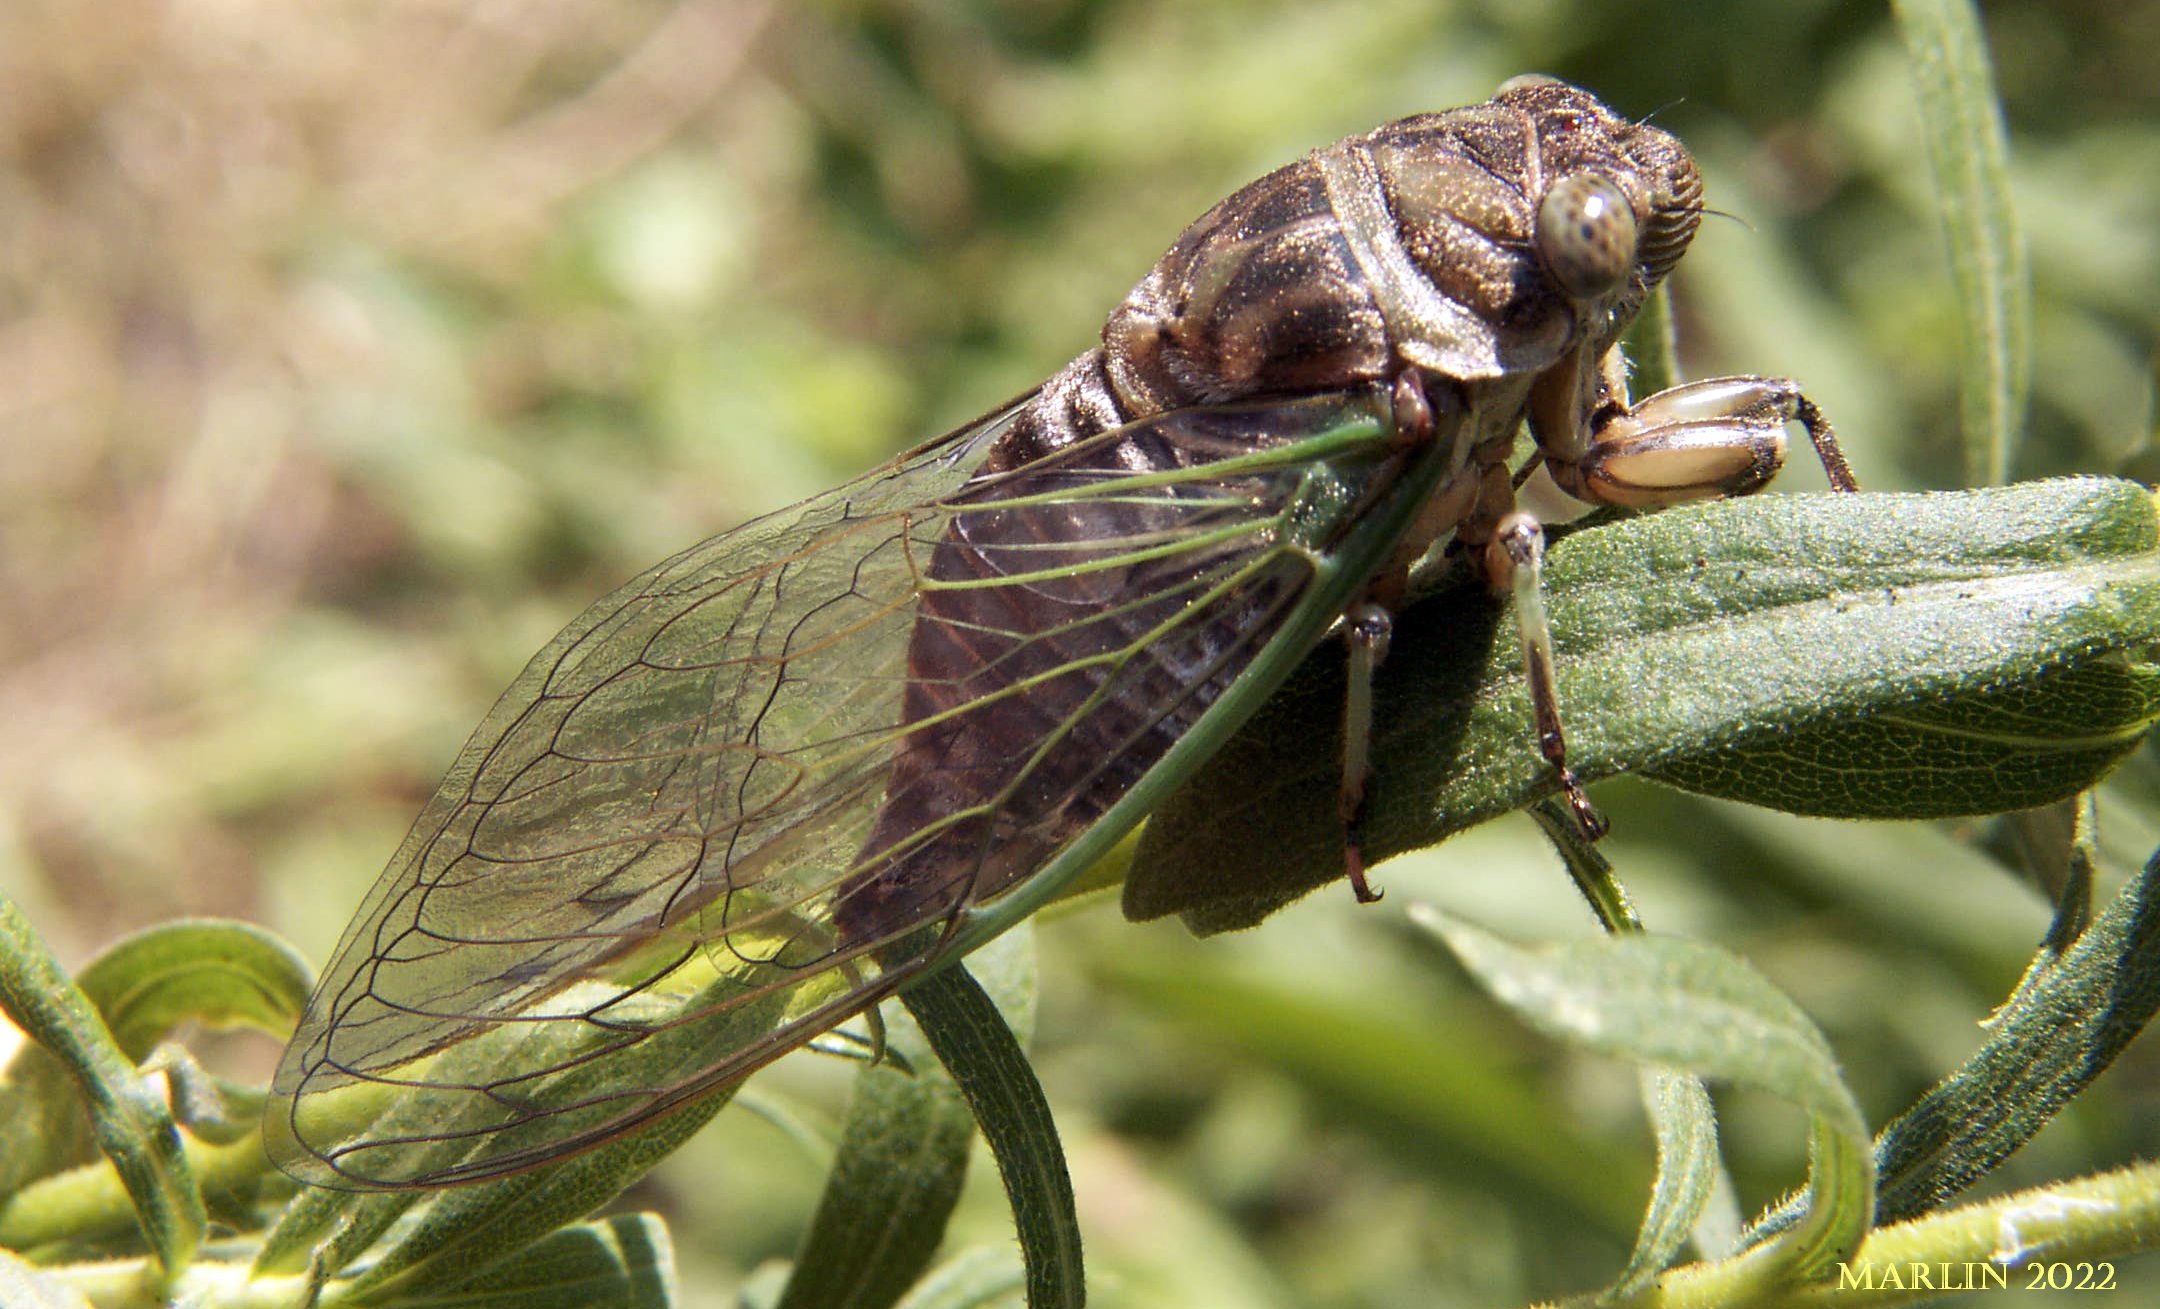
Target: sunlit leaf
1687, 638
902, 1156
625, 1262
1666, 1001
1962, 116
218, 973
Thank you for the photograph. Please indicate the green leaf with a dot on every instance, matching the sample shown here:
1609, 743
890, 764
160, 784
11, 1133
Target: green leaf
623, 1262
985, 1060
1682, 1118
43, 1129
212, 1109
2071, 1016
326, 1230
218, 973
2023, 746
903, 1156
467, 1230
1684, 1123
132, 1125
2070, 1225
88, 1211
215, 972
1677, 1003
1681, 636
1961, 118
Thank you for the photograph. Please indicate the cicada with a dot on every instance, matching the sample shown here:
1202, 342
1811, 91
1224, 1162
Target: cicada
768, 783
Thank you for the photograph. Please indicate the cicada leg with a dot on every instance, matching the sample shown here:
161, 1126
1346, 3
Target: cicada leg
1425, 410
1701, 440
1515, 564
1367, 628
1706, 440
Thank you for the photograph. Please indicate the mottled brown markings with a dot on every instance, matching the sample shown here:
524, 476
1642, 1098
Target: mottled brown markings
1411, 245
700, 769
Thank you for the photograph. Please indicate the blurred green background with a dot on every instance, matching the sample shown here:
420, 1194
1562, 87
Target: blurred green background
348, 349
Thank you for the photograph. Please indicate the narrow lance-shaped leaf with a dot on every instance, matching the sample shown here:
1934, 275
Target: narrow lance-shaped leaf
1961, 118
1682, 1004
980, 1275
223, 974
623, 1262
903, 1155
467, 1229
1695, 634
985, 1059
1683, 1120
212, 972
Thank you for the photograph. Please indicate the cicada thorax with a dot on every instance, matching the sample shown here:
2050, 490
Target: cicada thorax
1046, 671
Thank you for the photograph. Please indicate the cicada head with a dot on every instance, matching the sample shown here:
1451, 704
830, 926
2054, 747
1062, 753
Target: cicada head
1483, 242
1520, 227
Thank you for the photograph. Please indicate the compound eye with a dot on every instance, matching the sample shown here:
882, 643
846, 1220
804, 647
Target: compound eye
1586, 234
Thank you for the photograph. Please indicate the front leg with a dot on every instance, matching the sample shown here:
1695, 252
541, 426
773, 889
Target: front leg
1705, 440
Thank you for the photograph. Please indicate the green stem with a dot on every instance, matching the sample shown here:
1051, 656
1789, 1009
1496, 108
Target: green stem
2060, 1225
134, 1128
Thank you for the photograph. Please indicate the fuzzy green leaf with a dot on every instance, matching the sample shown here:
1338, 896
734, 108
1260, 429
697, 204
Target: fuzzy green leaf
473, 1228
1685, 636
468, 1229
133, 1127
984, 1057
1961, 118
1676, 1003
221, 974
1684, 1123
979, 1276
624, 1262
2035, 740
903, 1155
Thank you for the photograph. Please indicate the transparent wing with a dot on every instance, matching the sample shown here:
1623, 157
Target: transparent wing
753, 791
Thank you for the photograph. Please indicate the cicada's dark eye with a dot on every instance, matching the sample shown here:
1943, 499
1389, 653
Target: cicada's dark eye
1586, 234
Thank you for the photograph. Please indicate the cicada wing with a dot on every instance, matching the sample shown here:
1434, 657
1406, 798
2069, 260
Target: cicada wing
751, 792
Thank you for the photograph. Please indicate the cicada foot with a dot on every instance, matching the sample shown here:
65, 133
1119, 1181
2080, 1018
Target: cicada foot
1354, 865
1705, 440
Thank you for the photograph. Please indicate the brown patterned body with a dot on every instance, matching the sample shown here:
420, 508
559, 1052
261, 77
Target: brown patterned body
1408, 251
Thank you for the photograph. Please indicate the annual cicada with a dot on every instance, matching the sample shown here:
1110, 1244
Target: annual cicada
774, 779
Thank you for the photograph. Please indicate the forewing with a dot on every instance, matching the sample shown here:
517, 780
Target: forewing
751, 792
